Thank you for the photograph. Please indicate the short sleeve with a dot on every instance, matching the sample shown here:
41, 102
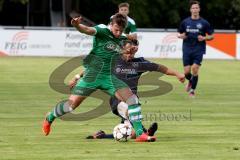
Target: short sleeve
133, 28
209, 29
182, 28
100, 29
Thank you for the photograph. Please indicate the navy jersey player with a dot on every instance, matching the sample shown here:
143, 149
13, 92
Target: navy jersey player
129, 70
194, 31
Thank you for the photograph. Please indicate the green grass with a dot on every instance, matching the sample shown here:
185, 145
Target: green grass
212, 133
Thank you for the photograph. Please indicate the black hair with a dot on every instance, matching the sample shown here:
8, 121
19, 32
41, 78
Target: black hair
192, 2
132, 42
120, 20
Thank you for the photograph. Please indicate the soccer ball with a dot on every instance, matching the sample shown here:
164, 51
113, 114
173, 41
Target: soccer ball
122, 132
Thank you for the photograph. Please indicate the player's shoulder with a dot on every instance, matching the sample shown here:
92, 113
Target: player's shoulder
103, 26
131, 20
204, 20
102, 29
187, 19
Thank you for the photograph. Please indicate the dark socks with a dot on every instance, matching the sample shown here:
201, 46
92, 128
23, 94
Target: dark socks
188, 76
194, 82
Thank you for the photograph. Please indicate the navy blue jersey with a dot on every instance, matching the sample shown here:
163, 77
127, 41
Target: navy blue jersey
130, 72
193, 28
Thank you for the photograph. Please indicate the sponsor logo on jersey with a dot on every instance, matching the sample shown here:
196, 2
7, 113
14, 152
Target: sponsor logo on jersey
112, 47
199, 26
118, 70
126, 71
190, 30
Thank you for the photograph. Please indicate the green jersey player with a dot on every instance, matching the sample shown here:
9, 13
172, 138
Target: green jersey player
131, 29
123, 8
98, 75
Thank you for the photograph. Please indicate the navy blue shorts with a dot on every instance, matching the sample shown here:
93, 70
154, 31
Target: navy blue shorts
189, 58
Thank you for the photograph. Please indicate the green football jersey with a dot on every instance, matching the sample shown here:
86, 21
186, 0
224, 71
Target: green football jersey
105, 48
131, 26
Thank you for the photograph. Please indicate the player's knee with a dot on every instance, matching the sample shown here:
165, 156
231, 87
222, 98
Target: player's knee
73, 104
195, 70
75, 101
122, 109
187, 70
132, 100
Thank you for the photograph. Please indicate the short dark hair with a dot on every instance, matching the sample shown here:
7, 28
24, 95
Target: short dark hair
125, 4
132, 42
192, 2
120, 20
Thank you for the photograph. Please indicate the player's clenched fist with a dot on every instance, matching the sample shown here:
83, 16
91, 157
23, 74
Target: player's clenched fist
181, 77
76, 21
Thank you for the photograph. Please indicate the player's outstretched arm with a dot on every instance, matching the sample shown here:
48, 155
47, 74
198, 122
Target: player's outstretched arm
171, 72
205, 38
76, 22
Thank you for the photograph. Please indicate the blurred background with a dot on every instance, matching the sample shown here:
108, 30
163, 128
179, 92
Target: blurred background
222, 14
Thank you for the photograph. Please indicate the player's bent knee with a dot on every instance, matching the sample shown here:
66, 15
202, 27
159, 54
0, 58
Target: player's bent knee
122, 109
73, 104
195, 70
75, 101
132, 100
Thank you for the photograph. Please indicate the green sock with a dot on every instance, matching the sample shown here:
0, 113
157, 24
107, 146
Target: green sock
51, 117
58, 111
135, 117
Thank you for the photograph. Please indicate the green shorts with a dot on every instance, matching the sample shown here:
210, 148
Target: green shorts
106, 83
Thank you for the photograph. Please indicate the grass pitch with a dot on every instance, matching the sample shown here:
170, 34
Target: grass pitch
206, 127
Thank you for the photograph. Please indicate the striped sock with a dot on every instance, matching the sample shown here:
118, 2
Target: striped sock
60, 109
135, 117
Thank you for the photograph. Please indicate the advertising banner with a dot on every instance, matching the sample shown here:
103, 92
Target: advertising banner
73, 43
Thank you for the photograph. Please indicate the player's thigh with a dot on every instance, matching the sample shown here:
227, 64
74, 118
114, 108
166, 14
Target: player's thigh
112, 84
198, 57
187, 59
124, 93
80, 92
84, 89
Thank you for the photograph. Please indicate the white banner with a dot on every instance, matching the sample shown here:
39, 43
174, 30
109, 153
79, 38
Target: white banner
44, 43
167, 45
238, 46
73, 43
160, 45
